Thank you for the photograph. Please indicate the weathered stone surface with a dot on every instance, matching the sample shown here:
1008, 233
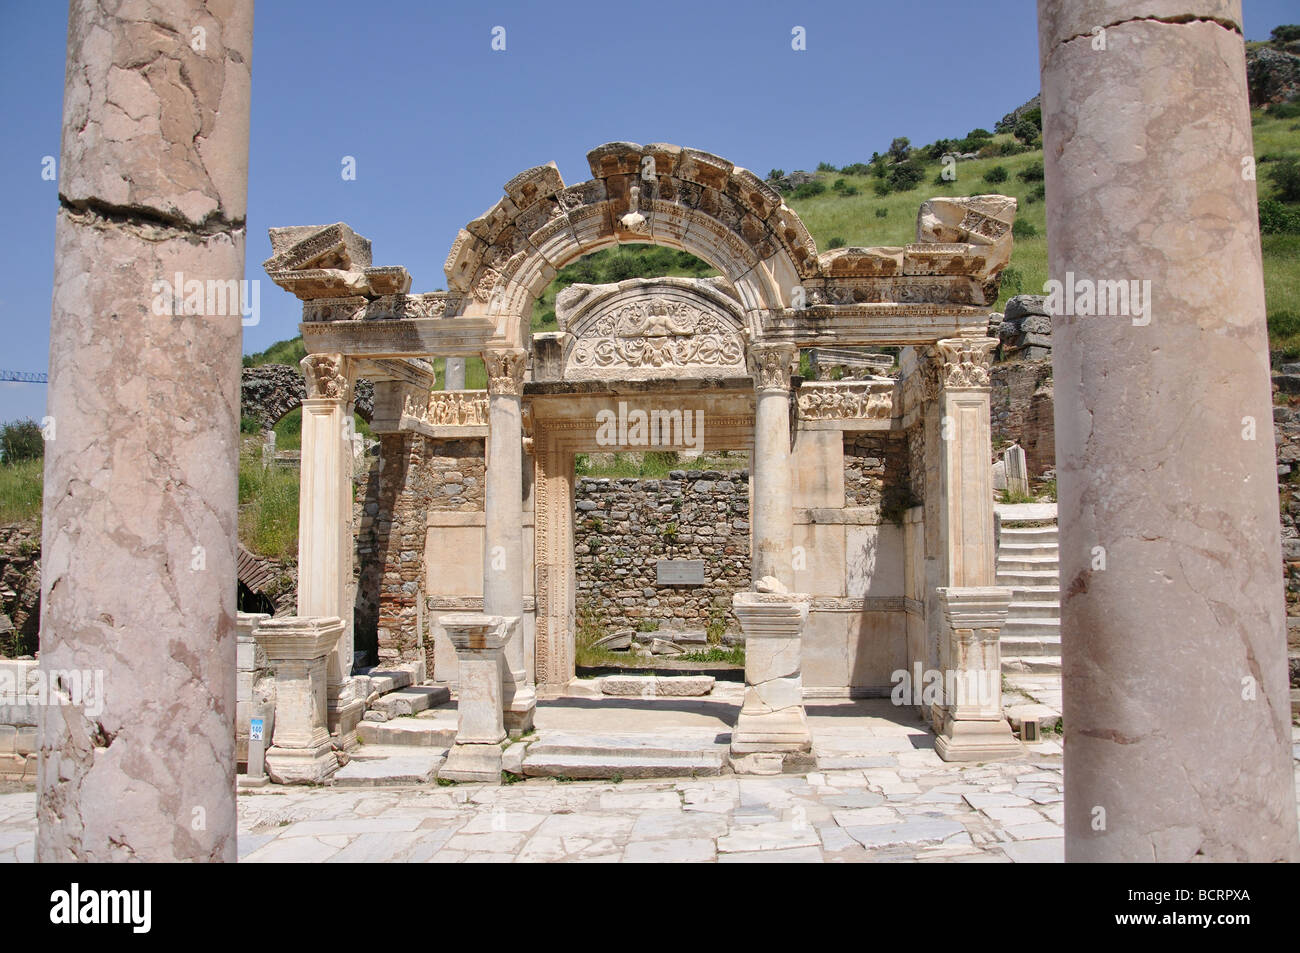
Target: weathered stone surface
1202, 549
153, 182
650, 685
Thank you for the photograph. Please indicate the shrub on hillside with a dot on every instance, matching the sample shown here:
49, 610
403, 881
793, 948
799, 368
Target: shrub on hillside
809, 189
905, 176
1031, 173
836, 242
882, 213
21, 440
1285, 176
857, 168
826, 167
995, 175
900, 149
1023, 229
1278, 218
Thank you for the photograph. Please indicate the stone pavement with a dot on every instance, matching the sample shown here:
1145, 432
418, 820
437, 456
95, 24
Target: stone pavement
880, 794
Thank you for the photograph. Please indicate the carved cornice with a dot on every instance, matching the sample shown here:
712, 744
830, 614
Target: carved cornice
772, 365
326, 376
505, 369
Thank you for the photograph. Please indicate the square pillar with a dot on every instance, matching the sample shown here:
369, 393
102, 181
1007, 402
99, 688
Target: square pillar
479, 641
771, 501
503, 542
771, 733
325, 525
971, 726
298, 649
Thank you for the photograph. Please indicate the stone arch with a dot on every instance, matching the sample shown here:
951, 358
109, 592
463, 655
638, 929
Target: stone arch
270, 392
261, 577
657, 194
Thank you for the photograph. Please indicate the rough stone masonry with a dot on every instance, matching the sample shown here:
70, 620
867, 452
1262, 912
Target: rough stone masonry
140, 464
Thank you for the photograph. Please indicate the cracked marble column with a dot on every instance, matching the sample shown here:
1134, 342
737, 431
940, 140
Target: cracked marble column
139, 528
1173, 625
503, 543
325, 540
773, 513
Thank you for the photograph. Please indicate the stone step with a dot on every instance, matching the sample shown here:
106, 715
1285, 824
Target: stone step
683, 753
1021, 578
1030, 563
1050, 595
1043, 664
410, 732
1029, 534
1020, 550
1034, 610
408, 701
1033, 628
389, 766
1015, 646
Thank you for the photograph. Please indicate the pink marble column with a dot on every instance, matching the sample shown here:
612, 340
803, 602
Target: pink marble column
138, 541
1178, 742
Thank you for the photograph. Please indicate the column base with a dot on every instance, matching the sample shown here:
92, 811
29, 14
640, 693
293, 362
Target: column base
782, 730
313, 765
472, 762
520, 711
977, 741
343, 723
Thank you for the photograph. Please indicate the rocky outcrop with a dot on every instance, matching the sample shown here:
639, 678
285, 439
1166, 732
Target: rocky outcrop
1273, 75
1025, 330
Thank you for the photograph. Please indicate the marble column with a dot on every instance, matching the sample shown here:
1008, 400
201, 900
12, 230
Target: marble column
325, 510
142, 435
454, 374
503, 542
771, 732
479, 641
772, 506
298, 650
1173, 623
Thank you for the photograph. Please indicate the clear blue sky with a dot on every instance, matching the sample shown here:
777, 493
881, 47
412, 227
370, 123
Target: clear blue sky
438, 121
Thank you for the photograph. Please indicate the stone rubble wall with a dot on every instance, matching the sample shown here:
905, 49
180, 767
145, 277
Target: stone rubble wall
412, 475
1021, 411
624, 526
20, 588
876, 472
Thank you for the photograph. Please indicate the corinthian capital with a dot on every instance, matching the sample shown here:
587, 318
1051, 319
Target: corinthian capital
962, 362
505, 369
326, 376
771, 365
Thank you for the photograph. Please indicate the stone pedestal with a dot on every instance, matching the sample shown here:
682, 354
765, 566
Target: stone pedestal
454, 375
772, 506
771, 731
479, 641
503, 544
970, 723
1173, 621
298, 649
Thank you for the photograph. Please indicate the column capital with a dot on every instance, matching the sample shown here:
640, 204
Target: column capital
770, 364
960, 362
327, 376
505, 369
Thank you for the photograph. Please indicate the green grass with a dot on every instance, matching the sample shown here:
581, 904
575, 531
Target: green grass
20, 490
268, 511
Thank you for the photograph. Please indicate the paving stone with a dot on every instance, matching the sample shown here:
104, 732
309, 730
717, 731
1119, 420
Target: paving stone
798, 855
913, 831
980, 801
764, 837
1036, 831
1036, 851
1008, 816
671, 850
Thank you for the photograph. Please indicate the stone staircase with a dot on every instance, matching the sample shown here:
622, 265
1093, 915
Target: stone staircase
1028, 564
